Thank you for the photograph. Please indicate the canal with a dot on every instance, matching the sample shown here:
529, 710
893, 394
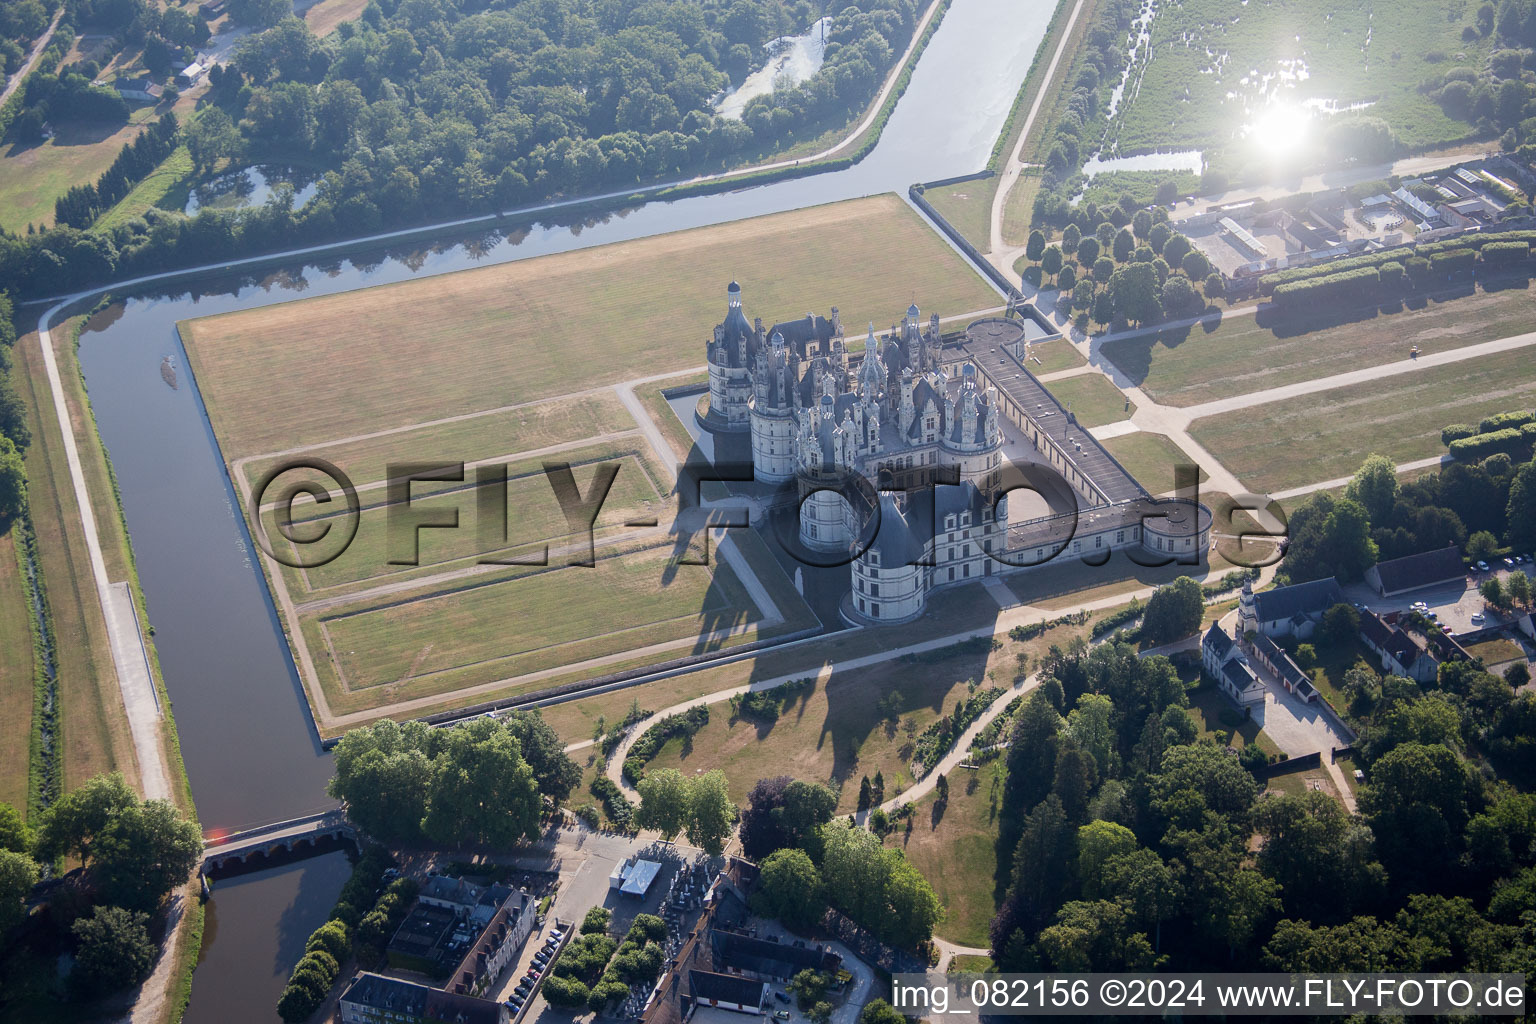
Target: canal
251, 751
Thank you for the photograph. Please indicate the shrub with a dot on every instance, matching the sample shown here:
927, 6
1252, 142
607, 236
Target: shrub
596, 922
1456, 262
567, 992
1506, 252
1503, 420
1457, 431
1483, 445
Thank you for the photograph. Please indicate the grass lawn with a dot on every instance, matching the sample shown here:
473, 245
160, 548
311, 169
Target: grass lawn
436, 641
1092, 399
1209, 58
1297, 783
1211, 710
1051, 356
1246, 353
534, 517
955, 849
1150, 458
417, 350
15, 676
1327, 435
1497, 651
967, 206
837, 733
964, 963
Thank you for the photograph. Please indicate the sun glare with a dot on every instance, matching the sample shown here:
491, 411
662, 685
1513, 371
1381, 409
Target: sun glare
1280, 129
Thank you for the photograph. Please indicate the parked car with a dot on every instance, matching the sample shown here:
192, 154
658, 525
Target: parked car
1509, 563
1477, 616
1482, 566
781, 1014
781, 997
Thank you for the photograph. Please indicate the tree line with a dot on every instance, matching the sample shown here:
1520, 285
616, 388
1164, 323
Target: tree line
82, 204
15, 436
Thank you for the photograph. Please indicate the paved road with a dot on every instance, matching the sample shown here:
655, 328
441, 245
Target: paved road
129, 656
32, 59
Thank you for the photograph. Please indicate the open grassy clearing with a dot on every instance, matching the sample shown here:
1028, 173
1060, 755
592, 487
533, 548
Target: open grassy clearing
324, 16
1150, 458
526, 428
968, 964
1051, 356
1208, 58
1297, 783
839, 732
955, 847
478, 339
1497, 651
1326, 435
32, 177
15, 676
1243, 354
534, 515
1092, 399
93, 724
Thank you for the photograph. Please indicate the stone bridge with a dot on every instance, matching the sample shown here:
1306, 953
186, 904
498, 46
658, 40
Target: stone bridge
291, 836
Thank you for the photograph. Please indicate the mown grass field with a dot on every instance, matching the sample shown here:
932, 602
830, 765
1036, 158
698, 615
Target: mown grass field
533, 517
524, 428
1150, 458
335, 366
324, 16
166, 187
1326, 435
1244, 353
968, 207
15, 676
1091, 398
955, 847
1349, 55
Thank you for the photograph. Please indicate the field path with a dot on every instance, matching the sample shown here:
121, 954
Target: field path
1001, 255
32, 59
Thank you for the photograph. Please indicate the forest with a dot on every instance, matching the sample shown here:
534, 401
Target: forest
1126, 843
428, 109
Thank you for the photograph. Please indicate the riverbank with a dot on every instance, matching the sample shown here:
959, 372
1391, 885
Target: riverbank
93, 730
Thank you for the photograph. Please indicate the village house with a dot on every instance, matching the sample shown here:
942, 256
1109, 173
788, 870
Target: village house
1228, 666
1287, 611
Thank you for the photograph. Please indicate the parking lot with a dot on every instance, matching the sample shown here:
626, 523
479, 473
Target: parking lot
1458, 607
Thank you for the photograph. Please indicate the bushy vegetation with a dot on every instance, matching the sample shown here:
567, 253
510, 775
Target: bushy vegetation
941, 736
480, 781
682, 724
768, 705
783, 812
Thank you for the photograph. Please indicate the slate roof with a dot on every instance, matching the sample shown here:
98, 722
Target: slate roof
1412, 572
409, 1001
1239, 674
1375, 631
1299, 599
1218, 640
727, 988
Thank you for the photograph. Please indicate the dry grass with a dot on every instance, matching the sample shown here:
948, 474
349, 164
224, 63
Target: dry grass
1243, 354
323, 18
317, 369
955, 847
1050, 356
1327, 435
1150, 458
15, 677
1092, 399
837, 733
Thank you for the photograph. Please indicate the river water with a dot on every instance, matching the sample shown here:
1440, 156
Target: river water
251, 751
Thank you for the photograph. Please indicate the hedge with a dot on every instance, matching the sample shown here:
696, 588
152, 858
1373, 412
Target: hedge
1455, 262
1502, 420
1457, 431
1506, 252
650, 742
1484, 445
1364, 282
1505, 244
